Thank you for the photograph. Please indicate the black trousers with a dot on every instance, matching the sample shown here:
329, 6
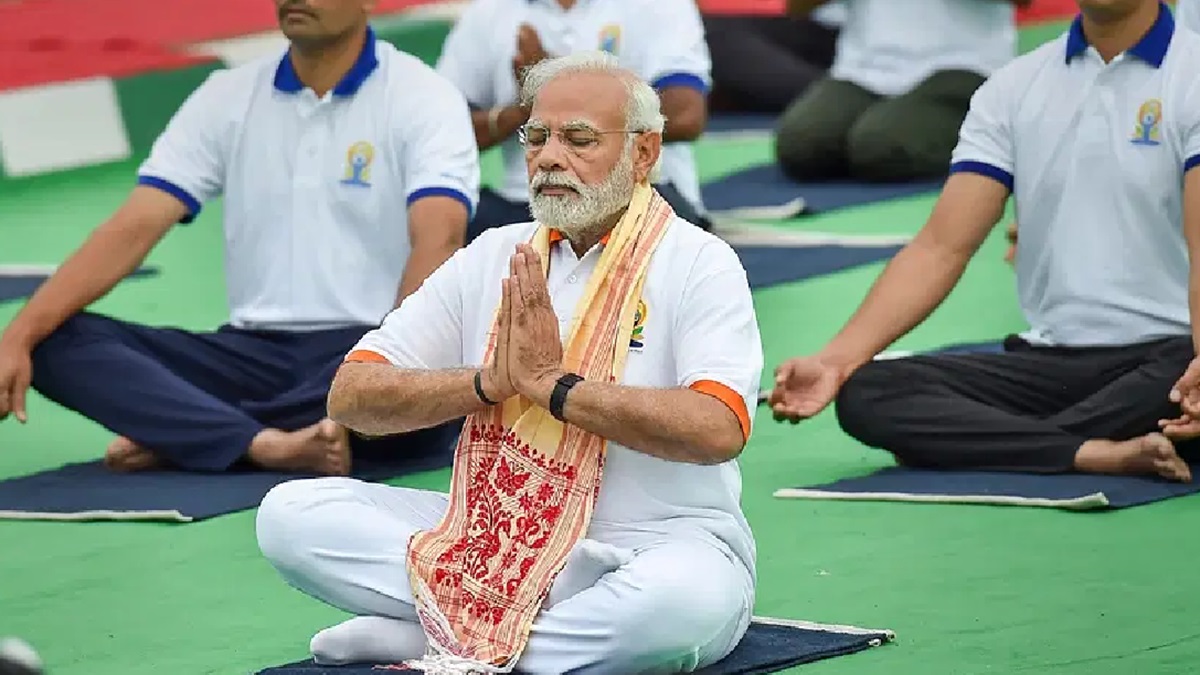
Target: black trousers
763, 63
1025, 409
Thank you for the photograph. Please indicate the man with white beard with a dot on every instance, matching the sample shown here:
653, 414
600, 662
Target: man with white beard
607, 399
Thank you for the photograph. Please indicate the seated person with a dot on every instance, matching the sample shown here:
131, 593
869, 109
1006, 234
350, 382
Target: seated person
329, 205
898, 90
615, 453
495, 40
760, 64
1108, 225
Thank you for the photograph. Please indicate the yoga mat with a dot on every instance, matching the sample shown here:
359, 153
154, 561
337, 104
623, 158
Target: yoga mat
765, 193
769, 646
20, 281
768, 265
87, 491
1069, 492
721, 124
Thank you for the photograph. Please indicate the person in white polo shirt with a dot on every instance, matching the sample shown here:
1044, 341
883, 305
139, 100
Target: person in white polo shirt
348, 172
1187, 12
1097, 136
606, 355
661, 40
900, 85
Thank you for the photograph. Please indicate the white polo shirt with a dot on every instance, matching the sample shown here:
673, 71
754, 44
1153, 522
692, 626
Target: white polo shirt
316, 190
890, 46
1187, 14
660, 40
1095, 155
699, 331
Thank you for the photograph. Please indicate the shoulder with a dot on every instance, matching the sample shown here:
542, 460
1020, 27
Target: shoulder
405, 74
1015, 76
688, 254
238, 82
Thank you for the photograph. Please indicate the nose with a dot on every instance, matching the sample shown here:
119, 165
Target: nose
550, 157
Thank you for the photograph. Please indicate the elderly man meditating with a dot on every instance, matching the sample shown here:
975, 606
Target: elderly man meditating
606, 357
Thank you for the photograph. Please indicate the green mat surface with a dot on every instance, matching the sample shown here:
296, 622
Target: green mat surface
969, 590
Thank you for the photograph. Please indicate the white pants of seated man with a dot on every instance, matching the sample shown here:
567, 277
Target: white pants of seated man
634, 607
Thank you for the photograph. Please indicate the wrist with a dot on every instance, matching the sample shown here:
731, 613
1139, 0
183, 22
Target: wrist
17, 338
843, 363
541, 388
489, 391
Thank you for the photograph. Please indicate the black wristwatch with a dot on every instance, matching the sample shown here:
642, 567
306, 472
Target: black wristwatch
558, 397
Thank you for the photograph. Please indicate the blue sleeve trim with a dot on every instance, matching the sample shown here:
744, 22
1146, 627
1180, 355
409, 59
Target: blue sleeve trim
984, 169
1191, 163
452, 193
681, 80
192, 204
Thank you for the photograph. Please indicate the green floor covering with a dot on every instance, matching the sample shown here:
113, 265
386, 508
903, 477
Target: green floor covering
969, 590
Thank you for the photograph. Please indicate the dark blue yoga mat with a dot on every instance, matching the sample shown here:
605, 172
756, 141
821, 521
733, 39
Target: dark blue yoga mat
772, 265
89, 492
1072, 492
18, 281
770, 645
765, 188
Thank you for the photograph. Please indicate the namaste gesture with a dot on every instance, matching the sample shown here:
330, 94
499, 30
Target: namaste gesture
529, 351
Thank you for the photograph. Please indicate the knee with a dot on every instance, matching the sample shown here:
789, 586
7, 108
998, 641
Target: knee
680, 624
879, 149
78, 328
288, 524
805, 146
858, 401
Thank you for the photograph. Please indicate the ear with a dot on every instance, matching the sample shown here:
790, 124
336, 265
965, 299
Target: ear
646, 149
369, 6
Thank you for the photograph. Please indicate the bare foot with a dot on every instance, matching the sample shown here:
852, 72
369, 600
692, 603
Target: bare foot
322, 449
124, 455
1149, 455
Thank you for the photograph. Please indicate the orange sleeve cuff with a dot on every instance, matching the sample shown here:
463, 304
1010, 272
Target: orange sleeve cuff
730, 398
365, 356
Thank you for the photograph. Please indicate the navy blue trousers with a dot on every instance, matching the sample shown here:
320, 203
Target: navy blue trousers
197, 399
495, 211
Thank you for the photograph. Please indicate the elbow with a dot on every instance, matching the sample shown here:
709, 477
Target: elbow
339, 405
722, 445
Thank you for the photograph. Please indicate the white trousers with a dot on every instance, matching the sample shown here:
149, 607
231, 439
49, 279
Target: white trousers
666, 607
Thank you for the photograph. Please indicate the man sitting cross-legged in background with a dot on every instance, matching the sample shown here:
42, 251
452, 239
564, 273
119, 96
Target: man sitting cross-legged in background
615, 453
661, 40
342, 191
1107, 194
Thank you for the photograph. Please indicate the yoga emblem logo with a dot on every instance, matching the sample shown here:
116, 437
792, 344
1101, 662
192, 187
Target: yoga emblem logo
610, 38
639, 323
358, 164
1149, 123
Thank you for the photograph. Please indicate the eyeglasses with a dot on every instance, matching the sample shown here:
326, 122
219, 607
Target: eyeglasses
575, 138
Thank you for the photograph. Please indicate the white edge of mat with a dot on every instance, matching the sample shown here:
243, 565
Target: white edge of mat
85, 516
1087, 502
824, 627
19, 270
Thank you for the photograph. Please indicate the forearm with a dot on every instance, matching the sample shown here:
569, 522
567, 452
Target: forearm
679, 425
912, 285
110, 253
378, 399
494, 125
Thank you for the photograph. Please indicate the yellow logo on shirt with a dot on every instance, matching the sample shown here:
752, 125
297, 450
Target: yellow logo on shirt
636, 340
1148, 130
610, 38
358, 164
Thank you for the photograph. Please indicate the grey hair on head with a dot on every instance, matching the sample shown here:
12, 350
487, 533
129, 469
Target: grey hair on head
642, 112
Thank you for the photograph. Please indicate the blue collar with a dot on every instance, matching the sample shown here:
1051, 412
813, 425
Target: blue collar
1152, 48
287, 81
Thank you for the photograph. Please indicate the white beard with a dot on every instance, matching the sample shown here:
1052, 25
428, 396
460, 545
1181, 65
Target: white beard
575, 214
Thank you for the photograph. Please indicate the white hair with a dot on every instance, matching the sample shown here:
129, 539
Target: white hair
643, 109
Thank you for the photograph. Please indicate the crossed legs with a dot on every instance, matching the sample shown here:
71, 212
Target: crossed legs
669, 607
